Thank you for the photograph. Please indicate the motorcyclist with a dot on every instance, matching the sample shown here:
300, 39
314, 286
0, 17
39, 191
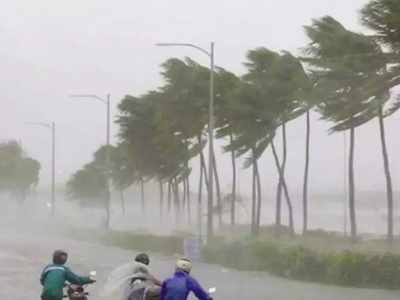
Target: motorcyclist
55, 275
143, 285
141, 267
181, 284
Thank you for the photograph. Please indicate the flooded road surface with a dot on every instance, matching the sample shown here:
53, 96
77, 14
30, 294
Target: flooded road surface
23, 256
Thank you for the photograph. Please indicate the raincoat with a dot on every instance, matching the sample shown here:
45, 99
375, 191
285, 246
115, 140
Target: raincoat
53, 279
130, 281
180, 285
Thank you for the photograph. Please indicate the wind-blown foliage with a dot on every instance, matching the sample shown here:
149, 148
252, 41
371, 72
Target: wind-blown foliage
269, 96
18, 173
350, 71
89, 184
383, 16
346, 77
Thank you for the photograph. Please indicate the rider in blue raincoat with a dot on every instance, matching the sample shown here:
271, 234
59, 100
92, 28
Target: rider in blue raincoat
181, 284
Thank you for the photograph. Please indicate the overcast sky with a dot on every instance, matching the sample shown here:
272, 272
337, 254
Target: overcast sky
49, 49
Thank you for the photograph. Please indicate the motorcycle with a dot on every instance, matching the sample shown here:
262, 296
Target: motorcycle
77, 292
139, 289
123, 284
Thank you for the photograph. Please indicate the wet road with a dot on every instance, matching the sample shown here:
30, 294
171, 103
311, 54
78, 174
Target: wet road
23, 256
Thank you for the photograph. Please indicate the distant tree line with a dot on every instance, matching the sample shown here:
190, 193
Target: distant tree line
19, 174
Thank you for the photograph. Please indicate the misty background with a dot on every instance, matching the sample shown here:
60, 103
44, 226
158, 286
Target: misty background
52, 49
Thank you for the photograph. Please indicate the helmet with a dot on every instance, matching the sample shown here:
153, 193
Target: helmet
60, 257
143, 258
184, 264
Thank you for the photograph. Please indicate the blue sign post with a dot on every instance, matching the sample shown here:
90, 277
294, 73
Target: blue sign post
192, 248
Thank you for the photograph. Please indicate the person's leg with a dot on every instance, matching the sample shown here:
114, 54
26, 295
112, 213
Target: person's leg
153, 292
136, 294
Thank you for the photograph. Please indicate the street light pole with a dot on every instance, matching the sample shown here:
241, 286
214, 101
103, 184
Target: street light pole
108, 196
107, 102
53, 168
345, 213
210, 202
108, 123
51, 126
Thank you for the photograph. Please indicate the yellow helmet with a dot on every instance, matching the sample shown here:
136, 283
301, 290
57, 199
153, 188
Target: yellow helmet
184, 264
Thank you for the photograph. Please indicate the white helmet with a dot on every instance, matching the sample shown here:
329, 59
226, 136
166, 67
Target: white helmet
184, 264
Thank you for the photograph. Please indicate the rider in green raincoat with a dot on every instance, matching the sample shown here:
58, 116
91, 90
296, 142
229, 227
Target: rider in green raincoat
55, 275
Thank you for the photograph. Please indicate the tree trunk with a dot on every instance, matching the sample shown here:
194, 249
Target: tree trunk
177, 202
233, 196
121, 193
253, 198
204, 168
169, 194
306, 172
389, 188
174, 197
285, 188
161, 187
108, 209
218, 188
258, 209
352, 209
184, 194
189, 206
206, 181
199, 200
278, 216
142, 196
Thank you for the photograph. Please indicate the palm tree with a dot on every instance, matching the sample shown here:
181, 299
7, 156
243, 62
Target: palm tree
252, 130
226, 83
345, 65
123, 173
378, 91
186, 95
383, 16
159, 143
282, 80
137, 132
308, 101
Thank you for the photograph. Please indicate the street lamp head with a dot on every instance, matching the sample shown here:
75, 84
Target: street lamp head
42, 124
185, 45
88, 96
81, 95
171, 44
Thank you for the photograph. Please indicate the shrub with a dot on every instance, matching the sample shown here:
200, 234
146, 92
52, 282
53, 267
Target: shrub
347, 268
167, 245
